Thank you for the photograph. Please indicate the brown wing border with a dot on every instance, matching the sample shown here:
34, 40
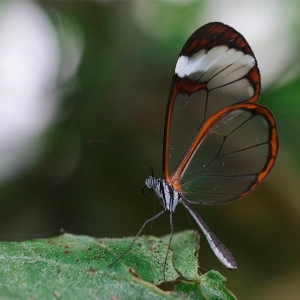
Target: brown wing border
211, 121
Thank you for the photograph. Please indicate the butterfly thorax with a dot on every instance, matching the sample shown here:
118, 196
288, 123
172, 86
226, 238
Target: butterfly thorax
167, 194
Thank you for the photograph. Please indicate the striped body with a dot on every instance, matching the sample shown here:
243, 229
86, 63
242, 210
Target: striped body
166, 193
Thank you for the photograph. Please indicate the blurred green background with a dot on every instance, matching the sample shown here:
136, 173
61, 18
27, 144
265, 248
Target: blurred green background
75, 71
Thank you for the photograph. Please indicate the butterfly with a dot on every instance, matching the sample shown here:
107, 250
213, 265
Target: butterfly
219, 144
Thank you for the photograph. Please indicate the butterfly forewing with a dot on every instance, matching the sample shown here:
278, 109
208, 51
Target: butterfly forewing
216, 68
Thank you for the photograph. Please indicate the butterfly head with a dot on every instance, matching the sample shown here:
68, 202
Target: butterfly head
151, 182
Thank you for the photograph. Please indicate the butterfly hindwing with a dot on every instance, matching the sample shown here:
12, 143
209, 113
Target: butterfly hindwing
228, 159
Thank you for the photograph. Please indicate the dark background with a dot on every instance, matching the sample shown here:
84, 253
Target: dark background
75, 71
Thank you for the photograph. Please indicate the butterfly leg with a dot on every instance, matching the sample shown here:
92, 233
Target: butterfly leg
169, 245
133, 241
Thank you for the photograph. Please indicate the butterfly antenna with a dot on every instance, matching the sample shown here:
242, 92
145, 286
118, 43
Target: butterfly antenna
149, 170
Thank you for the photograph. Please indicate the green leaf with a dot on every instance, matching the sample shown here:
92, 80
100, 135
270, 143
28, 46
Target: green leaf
185, 246
76, 267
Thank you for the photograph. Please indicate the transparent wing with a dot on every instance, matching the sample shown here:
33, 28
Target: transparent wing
232, 154
216, 68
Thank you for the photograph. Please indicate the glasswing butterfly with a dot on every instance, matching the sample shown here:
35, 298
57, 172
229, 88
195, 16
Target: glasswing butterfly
218, 143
